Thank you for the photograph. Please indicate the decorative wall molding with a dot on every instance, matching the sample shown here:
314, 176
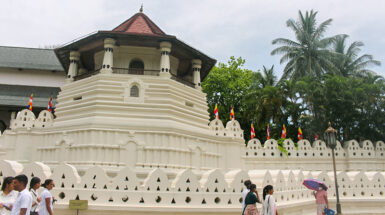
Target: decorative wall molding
214, 188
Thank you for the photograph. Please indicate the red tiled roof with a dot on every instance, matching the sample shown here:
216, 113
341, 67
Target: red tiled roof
139, 24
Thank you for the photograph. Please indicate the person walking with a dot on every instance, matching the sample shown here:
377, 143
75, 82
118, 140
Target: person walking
34, 185
268, 204
321, 199
46, 197
23, 203
245, 191
251, 201
8, 196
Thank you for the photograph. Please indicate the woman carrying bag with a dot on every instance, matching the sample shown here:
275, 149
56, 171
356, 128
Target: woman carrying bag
251, 199
268, 204
321, 197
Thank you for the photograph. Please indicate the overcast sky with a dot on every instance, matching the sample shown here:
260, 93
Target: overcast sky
219, 28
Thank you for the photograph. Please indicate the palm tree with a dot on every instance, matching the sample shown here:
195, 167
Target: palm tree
348, 62
373, 78
308, 54
268, 78
264, 100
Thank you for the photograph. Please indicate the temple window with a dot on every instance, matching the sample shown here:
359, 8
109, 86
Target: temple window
134, 91
136, 67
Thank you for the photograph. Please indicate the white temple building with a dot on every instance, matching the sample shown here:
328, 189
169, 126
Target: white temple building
132, 135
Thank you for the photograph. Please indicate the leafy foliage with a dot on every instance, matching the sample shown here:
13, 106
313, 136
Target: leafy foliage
225, 85
324, 80
348, 62
281, 147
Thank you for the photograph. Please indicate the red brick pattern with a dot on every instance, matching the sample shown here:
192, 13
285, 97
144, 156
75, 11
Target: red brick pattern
139, 24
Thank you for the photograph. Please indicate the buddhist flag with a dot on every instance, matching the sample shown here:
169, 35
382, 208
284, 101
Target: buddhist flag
216, 112
49, 107
300, 135
252, 131
30, 102
268, 131
283, 135
232, 117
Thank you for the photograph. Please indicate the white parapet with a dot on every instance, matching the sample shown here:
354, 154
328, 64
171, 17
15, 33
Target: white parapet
317, 156
213, 190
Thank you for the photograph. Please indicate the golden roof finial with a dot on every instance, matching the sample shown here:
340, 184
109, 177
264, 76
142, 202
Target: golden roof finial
141, 9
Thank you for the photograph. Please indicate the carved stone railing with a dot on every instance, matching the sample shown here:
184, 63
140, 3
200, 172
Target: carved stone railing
131, 71
213, 189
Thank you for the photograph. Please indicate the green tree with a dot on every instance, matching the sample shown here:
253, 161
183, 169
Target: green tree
308, 54
226, 85
348, 62
311, 94
324, 79
264, 102
370, 99
354, 105
268, 78
293, 109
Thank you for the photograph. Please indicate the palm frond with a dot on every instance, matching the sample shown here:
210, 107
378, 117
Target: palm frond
321, 29
286, 42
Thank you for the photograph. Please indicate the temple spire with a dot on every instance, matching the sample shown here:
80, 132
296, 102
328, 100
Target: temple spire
141, 9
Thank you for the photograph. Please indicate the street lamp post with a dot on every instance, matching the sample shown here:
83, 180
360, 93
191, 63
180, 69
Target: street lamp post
330, 136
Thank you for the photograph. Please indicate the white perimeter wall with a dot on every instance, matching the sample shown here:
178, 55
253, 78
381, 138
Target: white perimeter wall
213, 192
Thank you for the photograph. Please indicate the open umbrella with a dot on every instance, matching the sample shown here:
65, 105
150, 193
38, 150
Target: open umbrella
313, 184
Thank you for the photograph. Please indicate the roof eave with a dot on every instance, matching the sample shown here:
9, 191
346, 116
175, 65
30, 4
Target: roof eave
112, 33
208, 62
56, 69
62, 52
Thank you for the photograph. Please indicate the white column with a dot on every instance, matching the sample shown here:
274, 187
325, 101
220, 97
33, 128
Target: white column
196, 67
73, 68
165, 49
13, 118
108, 60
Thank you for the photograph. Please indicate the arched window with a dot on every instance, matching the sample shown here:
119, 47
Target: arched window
134, 91
136, 67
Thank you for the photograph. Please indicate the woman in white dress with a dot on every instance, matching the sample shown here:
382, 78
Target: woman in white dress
46, 198
268, 203
34, 185
8, 196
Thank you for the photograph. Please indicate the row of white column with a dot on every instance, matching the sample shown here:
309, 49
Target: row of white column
108, 62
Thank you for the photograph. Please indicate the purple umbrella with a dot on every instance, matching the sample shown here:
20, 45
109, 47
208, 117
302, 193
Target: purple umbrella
313, 184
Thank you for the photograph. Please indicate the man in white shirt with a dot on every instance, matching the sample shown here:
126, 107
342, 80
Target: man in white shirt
23, 203
245, 191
